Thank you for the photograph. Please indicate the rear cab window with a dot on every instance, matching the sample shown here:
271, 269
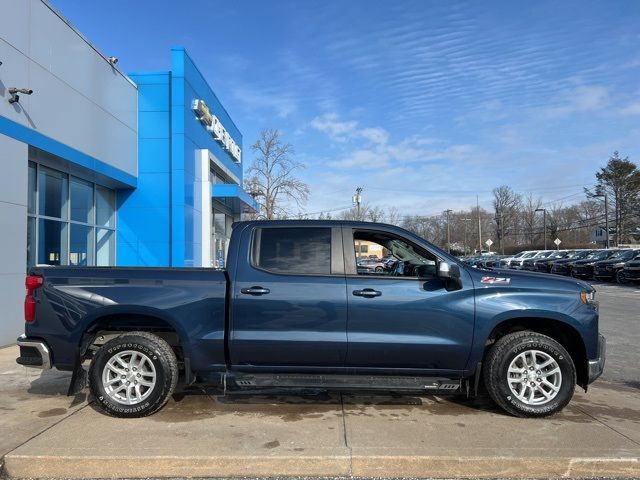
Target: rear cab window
293, 250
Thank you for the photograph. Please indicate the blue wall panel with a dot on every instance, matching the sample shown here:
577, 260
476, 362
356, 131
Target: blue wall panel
144, 214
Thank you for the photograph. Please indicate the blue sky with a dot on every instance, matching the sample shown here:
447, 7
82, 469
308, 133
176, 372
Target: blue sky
424, 103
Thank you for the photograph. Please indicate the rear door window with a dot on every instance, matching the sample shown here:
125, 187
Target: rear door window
293, 251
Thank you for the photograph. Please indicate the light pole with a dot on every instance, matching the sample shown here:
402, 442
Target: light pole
600, 193
448, 212
544, 223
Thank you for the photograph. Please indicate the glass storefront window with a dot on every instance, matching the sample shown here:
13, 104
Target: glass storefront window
105, 207
219, 224
52, 236
81, 194
70, 221
31, 202
81, 245
105, 247
31, 241
52, 193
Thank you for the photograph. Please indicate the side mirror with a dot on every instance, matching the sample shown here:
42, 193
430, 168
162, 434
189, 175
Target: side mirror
448, 271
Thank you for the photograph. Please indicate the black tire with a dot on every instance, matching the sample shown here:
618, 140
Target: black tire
621, 278
379, 269
158, 352
504, 351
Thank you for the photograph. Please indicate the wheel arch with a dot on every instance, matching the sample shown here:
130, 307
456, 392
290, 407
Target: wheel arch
130, 319
562, 332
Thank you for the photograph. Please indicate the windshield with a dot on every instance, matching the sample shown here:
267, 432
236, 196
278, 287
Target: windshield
600, 255
622, 255
580, 255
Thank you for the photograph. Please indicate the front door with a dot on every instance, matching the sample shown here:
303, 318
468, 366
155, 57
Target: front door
403, 317
289, 306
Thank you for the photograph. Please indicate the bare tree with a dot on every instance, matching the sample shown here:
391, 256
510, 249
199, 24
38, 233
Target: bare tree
529, 217
270, 178
507, 204
375, 214
393, 216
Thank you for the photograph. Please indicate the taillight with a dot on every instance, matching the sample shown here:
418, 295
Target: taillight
31, 283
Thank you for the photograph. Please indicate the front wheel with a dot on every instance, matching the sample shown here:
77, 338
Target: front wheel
529, 374
621, 278
133, 375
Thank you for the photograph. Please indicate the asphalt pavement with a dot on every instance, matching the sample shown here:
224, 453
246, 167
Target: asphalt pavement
43, 433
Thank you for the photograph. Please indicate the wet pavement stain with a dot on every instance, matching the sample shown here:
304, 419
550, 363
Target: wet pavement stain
273, 444
288, 409
52, 413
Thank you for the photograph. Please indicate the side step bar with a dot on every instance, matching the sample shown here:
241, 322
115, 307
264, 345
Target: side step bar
344, 382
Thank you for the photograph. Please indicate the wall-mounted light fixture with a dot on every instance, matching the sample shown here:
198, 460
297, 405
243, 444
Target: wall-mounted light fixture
13, 91
112, 60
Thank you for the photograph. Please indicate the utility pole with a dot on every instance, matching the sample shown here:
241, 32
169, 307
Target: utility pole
448, 212
357, 200
544, 223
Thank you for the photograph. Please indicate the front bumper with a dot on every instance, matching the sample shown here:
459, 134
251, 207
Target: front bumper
34, 353
597, 366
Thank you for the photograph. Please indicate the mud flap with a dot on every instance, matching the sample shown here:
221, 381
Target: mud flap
78, 379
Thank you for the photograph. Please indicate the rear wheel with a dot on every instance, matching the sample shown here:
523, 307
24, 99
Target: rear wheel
133, 375
529, 374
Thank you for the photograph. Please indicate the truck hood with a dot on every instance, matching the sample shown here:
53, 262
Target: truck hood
523, 279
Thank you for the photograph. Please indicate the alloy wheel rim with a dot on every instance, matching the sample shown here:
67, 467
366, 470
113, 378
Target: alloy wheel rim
129, 377
534, 377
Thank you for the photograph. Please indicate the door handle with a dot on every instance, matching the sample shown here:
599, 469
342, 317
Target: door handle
367, 292
255, 291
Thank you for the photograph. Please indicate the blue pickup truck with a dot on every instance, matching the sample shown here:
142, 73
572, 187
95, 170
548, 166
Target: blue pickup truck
293, 311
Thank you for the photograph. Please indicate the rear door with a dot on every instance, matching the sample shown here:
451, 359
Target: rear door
289, 306
405, 318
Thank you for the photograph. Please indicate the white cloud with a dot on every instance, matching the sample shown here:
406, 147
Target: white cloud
329, 124
632, 109
583, 98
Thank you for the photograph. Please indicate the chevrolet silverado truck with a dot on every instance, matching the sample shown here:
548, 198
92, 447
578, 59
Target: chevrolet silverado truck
292, 312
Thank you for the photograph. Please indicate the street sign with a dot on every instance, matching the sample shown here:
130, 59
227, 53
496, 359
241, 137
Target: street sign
489, 243
557, 241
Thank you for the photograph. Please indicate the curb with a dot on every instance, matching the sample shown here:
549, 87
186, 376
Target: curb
28, 466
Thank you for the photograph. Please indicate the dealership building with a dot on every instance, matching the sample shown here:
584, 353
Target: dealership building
105, 168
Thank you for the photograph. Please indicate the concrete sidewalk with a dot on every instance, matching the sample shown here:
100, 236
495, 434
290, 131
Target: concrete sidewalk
49, 435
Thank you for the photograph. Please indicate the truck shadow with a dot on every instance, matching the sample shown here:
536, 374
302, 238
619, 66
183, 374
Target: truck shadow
301, 406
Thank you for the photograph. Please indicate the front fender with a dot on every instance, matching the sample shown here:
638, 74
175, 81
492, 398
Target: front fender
499, 306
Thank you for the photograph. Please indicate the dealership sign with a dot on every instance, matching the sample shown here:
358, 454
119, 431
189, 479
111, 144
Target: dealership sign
217, 130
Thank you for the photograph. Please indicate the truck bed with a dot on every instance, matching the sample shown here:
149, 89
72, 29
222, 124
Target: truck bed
77, 300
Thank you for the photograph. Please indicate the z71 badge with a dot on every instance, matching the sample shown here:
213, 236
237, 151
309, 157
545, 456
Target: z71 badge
492, 280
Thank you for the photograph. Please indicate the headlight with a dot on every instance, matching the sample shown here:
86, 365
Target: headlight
588, 298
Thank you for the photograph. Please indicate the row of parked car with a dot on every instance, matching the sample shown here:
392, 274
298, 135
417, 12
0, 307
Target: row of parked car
620, 265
